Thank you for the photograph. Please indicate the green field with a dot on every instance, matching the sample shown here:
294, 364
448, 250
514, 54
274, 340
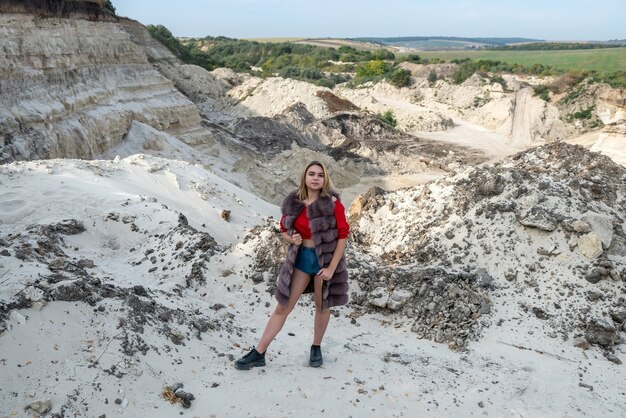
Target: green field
602, 60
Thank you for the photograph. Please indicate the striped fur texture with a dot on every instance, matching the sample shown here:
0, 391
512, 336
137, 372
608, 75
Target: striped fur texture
321, 214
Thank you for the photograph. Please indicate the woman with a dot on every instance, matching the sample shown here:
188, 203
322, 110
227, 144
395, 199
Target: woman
314, 224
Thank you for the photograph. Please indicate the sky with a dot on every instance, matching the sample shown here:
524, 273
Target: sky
540, 19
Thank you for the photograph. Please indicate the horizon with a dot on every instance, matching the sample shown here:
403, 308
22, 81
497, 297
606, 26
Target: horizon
248, 19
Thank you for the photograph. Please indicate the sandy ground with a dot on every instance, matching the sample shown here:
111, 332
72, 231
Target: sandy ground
494, 145
374, 365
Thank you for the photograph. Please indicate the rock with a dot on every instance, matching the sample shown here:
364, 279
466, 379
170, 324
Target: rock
85, 263
539, 217
581, 227
57, 264
510, 275
398, 299
379, 297
603, 271
540, 313
484, 279
485, 307
602, 226
593, 276
612, 358
532, 199
582, 343
176, 336
257, 277
592, 296
33, 293
602, 332
619, 316
185, 397
365, 201
41, 406
590, 245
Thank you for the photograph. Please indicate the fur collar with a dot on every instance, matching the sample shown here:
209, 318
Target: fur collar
322, 206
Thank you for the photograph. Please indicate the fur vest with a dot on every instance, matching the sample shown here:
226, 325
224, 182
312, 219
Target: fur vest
321, 214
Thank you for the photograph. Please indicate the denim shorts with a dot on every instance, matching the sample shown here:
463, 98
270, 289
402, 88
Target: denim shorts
307, 261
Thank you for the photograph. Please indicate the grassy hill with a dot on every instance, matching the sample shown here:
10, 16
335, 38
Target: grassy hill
606, 60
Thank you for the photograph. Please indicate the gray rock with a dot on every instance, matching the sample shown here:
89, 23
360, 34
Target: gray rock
379, 297
593, 295
57, 264
619, 316
612, 358
602, 332
510, 275
539, 217
484, 279
85, 263
42, 406
603, 271
593, 276
602, 226
581, 227
398, 299
485, 308
582, 343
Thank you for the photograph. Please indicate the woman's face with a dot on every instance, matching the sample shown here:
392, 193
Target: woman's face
314, 177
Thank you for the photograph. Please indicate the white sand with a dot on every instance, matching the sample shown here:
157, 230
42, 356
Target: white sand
374, 367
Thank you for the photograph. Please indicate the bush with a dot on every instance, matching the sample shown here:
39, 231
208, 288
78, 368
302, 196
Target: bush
107, 5
163, 35
373, 68
542, 91
312, 74
389, 118
290, 71
498, 79
416, 59
432, 78
464, 71
401, 77
584, 114
382, 54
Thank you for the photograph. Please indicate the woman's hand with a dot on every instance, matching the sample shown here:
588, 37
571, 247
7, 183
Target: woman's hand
326, 273
297, 238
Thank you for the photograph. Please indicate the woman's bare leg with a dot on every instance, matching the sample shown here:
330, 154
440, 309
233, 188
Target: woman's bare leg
321, 317
299, 282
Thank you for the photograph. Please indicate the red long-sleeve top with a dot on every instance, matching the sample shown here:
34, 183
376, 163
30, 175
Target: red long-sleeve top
301, 223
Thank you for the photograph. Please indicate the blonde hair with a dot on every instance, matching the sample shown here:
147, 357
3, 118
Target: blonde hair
303, 192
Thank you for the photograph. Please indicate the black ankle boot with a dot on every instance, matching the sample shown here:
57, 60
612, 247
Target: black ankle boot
250, 360
315, 360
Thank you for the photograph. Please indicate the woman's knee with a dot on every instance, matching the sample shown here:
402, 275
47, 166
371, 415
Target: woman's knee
283, 310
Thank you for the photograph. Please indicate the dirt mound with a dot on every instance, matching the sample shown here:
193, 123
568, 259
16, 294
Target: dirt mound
547, 225
334, 103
